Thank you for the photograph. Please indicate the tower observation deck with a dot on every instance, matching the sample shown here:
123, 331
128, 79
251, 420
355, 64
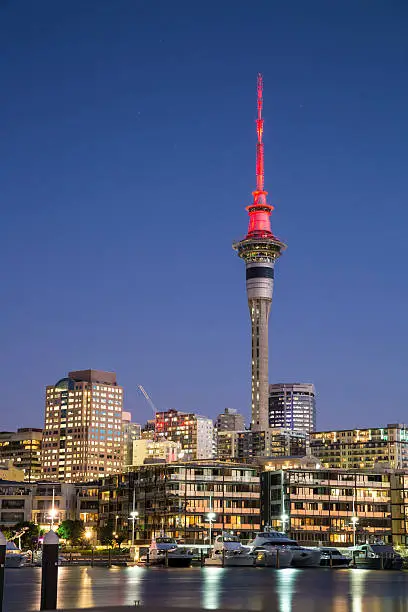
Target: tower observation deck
259, 249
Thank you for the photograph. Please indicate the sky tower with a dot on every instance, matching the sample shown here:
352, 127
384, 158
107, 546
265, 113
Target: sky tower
259, 249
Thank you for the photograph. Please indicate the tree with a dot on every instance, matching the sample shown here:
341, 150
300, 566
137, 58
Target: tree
6, 531
70, 530
121, 537
106, 535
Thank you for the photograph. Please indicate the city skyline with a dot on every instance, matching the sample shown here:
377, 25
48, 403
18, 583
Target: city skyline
103, 151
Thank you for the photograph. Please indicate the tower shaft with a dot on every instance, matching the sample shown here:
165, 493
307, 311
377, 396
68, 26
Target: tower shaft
259, 309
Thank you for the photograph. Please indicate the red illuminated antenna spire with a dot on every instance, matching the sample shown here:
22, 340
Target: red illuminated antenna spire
259, 211
259, 131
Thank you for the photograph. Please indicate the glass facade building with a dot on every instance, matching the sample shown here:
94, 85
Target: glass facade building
293, 406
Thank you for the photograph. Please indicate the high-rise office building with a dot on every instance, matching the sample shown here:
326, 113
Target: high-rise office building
259, 250
230, 420
292, 405
362, 448
194, 432
24, 448
82, 438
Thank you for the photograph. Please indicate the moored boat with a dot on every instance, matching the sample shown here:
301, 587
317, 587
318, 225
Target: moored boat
229, 552
332, 557
376, 556
165, 551
273, 556
302, 556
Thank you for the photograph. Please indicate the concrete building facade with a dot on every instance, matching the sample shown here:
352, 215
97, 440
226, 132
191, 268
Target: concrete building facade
82, 437
292, 406
229, 420
362, 448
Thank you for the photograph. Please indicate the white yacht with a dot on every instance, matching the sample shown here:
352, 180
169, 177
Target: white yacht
273, 555
164, 546
229, 552
14, 556
302, 557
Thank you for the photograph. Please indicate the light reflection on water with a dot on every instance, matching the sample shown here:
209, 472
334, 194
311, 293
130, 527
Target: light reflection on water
285, 586
212, 588
212, 578
357, 580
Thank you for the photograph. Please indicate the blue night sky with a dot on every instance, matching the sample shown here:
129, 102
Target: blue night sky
127, 159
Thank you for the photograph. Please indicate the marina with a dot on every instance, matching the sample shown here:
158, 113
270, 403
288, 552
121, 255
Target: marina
210, 588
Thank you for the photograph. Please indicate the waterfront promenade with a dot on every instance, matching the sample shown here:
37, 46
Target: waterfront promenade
212, 588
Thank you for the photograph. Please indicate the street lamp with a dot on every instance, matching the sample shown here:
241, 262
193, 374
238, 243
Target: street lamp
354, 521
133, 516
53, 515
116, 523
211, 517
284, 518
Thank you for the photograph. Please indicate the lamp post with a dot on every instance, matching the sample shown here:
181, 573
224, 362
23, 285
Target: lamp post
211, 516
284, 518
53, 515
133, 516
53, 511
354, 521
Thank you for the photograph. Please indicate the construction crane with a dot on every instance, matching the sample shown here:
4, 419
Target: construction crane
148, 398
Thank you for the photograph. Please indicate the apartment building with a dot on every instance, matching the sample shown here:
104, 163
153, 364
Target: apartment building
362, 448
177, 498
195, 433
270, 443
23, 447
325, 506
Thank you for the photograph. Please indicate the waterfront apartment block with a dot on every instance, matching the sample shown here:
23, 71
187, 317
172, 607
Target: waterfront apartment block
52, 503
82, 438
362, 448
177, 498
23, 447
15, 503
87, 504
292, 406
321, 506
43, 503
195, 433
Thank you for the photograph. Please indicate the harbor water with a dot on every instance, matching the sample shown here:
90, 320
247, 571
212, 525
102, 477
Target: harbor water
258, 589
